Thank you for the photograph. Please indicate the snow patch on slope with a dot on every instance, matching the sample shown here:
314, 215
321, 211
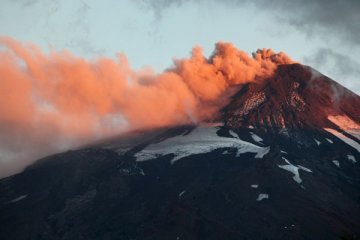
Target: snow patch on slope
200, 140
294, 169
182, 193
351, 158
262, 196
226, 152
336, 162
256, 138
233, 134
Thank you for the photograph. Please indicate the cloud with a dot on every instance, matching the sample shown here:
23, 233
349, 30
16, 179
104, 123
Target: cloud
26, 3
334, 22
330, 19
340, 65
52, 25
79, 25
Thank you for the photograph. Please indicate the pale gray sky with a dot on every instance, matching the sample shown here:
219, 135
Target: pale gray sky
323, 34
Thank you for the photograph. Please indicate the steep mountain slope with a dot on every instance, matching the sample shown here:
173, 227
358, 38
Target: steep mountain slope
296, 97
282, 162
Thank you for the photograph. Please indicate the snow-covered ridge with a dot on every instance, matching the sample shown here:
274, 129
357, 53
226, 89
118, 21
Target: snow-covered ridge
200, 140
346, 124
345, 139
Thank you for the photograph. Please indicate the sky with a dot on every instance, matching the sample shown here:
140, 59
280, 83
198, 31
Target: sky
151, 33
98, 76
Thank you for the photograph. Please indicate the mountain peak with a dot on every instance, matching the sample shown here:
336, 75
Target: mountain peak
296, 96
293, 175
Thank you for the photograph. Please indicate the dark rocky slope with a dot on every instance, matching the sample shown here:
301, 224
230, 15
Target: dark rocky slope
305, 184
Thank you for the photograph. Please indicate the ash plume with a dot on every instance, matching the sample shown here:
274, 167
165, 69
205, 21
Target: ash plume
56, 101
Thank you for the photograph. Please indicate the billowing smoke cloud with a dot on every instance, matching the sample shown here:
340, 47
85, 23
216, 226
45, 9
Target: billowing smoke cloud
51, 102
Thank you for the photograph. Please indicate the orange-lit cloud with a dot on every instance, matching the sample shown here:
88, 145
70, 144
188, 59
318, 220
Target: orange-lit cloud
50, 102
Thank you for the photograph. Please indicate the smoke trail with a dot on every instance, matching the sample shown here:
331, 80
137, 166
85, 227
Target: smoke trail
51, 102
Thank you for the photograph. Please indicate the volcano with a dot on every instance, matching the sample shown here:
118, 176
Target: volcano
280, 161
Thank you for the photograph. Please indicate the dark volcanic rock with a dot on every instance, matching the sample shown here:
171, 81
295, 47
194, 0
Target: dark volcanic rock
295, 97
270, 172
